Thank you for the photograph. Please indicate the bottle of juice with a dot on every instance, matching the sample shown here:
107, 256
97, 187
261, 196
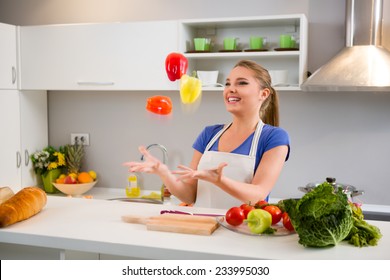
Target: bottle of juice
132, 189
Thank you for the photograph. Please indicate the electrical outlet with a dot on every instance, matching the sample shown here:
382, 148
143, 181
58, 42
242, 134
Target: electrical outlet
80, 138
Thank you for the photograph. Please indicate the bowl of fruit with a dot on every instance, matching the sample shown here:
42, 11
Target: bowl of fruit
76, 184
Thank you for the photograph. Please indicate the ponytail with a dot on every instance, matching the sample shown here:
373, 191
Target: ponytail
269, 111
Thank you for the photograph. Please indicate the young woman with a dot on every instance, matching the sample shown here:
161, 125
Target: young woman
235, 163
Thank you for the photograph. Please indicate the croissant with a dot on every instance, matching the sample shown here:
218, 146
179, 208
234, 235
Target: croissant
21, 206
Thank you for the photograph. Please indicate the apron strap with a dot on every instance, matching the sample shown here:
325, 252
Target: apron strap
216, 136
256, 138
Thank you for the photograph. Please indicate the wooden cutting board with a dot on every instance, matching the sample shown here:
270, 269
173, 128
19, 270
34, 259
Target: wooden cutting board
178, 223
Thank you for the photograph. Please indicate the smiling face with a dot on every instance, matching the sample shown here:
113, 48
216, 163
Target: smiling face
243, 93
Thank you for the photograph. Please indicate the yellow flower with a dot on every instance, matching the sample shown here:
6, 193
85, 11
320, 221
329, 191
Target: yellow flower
52, 165
48, 159
61, 158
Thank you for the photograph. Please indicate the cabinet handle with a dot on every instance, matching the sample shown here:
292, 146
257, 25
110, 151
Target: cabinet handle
13, 75
26, 157
95, 83
18, 159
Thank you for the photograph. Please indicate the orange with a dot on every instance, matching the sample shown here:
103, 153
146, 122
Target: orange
60, 180
84, 177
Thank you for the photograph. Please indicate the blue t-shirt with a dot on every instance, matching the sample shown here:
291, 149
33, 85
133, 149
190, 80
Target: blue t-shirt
270, 137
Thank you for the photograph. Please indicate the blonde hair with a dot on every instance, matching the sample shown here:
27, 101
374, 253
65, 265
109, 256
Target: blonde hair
269, 111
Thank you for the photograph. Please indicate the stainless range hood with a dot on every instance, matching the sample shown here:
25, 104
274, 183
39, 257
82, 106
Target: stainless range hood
363, 65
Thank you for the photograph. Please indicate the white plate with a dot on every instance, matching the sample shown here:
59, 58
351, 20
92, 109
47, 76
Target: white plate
244, 229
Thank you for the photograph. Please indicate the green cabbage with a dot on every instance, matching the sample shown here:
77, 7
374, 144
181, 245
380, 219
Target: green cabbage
362, 233
322, 217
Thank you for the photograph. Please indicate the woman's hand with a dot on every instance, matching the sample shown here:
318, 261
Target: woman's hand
149, 165
212, 175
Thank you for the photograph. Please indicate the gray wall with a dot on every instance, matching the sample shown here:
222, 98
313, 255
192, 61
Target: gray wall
344, 135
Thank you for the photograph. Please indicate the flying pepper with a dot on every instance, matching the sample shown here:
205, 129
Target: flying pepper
176, 65
159, 104
190, 88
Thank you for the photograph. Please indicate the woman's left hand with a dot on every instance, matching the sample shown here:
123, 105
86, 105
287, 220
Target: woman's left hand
212, 175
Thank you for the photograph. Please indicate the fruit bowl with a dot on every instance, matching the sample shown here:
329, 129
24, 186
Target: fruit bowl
74, 189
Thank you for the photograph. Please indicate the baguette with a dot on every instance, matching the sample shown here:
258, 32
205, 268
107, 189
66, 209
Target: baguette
23, 205
5, 194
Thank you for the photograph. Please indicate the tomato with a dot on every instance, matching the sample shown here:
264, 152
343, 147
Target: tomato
259, 220
261, 203
275, 212
235, 216
287, 222
246, 208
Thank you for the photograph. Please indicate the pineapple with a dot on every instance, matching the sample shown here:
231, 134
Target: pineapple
74, 156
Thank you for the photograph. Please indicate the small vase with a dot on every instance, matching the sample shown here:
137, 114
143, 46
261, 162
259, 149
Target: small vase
49, 178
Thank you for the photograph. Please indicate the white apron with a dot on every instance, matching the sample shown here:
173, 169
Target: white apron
239, 168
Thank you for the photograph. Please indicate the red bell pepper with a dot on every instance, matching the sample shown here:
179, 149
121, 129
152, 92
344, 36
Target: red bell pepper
159, 104
176, 65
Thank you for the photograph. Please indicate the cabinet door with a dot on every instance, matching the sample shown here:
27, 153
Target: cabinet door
8, 56
10, 160
34, 131
115, 56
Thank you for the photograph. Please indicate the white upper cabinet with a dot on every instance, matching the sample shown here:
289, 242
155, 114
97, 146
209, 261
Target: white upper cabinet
11, 158
113, 56
23, 123
8, 61
271, 56
131, 56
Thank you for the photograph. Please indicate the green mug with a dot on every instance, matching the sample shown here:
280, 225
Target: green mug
256, 42
230, 44
285, 41
200, 44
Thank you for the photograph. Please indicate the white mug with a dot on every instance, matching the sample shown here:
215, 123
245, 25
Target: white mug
278, 77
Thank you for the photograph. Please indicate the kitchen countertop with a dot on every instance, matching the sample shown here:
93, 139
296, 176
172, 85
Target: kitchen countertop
95, 226
111, 193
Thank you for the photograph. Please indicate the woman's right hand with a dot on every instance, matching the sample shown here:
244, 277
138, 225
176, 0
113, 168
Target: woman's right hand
149, 165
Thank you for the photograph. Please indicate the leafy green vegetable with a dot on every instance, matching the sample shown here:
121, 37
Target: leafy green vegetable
362, 233
321, 217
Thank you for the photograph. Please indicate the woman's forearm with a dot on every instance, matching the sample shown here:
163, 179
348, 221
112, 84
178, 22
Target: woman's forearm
184, 190
245, 192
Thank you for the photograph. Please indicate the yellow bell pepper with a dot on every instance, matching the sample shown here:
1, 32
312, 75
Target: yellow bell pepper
190, 89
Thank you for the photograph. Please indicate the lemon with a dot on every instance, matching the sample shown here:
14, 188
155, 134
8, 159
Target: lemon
92, 174
152, 195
